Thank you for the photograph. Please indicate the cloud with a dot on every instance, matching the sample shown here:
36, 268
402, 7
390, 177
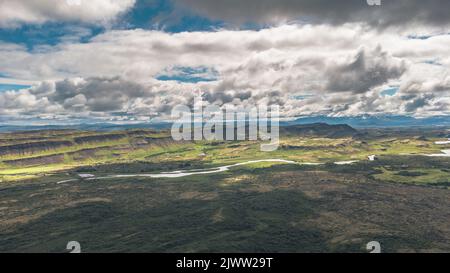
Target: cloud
306, 69
390, 13
418, 102
17, 12
365, 71
100, 97
96, 94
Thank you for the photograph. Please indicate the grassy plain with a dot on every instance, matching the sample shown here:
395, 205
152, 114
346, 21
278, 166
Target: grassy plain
401, 199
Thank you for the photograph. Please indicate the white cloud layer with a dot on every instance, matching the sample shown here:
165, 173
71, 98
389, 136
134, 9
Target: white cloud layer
16, 12
306, 69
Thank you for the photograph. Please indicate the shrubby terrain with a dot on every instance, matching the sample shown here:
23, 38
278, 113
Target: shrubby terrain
53, 191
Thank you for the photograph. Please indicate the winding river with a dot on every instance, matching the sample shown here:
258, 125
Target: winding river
183, 173
445, 153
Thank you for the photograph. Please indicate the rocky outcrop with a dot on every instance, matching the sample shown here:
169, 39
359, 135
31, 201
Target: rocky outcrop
39, 160
98, 138
31, 147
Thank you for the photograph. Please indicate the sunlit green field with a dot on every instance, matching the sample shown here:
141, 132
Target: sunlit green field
310, 204
158, 148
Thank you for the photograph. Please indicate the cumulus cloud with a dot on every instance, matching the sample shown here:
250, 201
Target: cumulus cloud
365, 71
306, 69
14, 13
99, 97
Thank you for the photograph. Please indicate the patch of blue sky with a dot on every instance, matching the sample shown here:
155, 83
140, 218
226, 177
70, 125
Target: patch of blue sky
425, 37
419, 37
8, 87
187, 79
391, 91
189, 74
301, 97
146, 14
48, 34
433, 62
194, 23
161, 15
156, 14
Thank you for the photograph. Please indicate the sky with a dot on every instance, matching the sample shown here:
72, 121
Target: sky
134, 60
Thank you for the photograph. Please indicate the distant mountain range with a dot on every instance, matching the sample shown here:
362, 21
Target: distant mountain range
86, 127
356, 122
375, 121
320, 129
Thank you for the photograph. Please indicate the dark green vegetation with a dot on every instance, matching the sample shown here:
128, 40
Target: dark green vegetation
401, 199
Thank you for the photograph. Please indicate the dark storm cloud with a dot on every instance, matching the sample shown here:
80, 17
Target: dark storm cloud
226, 97
97, 94
394, 12
367, 70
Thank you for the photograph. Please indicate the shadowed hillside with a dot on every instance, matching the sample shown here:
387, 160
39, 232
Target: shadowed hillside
320, 129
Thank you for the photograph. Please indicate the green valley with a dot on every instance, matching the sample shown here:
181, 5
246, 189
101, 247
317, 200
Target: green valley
323, 193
